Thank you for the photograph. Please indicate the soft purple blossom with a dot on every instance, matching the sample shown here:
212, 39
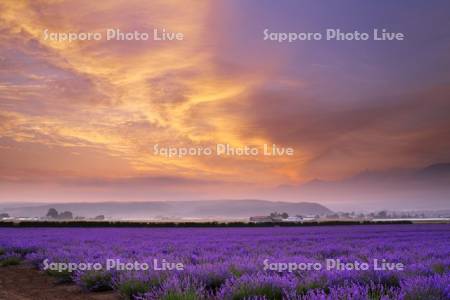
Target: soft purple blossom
228, 263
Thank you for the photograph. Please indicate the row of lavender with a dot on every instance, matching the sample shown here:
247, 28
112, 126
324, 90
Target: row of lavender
243, 263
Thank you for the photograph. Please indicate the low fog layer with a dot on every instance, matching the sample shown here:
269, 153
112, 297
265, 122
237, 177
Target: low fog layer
218, 209
400, 189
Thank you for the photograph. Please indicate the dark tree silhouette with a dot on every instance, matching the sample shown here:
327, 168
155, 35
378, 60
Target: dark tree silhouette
52, 213
67, 215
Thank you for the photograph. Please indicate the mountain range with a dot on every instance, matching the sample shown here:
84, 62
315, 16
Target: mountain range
395, 189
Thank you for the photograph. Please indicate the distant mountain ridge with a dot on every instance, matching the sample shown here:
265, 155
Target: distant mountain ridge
220, 209
401, 189
435, 172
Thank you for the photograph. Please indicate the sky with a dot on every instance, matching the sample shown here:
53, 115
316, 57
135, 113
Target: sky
79, 120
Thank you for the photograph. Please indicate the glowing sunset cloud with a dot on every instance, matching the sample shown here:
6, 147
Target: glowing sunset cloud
82, 117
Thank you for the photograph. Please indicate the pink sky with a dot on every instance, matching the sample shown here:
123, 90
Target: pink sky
79, 120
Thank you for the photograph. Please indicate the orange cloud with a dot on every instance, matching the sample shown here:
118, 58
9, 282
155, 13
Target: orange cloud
118, 99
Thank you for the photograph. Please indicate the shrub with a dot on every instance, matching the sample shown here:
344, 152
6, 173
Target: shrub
133, 287
10, 261
178, 288
377, 292
354, 291
214, 282
304, 288
96, 281
389, 280
255, 286
212, 277
23, 251
189, 295
265, 290
438, 268
236, 272
61, 276
426, 288
36, 259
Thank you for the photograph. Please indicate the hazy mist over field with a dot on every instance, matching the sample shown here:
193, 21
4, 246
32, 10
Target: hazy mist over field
399, 189
214, 209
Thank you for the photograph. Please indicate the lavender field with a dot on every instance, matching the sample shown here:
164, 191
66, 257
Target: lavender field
242, 263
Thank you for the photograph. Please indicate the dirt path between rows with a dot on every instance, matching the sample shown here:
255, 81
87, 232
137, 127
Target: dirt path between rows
25, 283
